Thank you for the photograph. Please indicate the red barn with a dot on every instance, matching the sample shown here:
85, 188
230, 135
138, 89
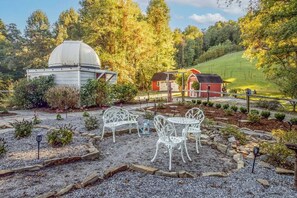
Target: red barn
159, 82
214, 82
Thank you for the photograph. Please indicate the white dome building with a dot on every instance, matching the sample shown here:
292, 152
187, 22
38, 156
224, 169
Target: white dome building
73, 63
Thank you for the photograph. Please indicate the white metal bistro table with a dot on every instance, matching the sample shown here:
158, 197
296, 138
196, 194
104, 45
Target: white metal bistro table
183, 121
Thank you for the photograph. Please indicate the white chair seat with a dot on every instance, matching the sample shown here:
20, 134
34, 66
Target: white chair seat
194, 130
119, 123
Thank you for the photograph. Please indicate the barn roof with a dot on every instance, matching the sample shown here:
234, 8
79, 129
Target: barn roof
160, 76
209, 78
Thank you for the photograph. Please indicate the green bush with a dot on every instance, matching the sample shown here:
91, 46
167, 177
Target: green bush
161, 105
265, 114
204, 103
124, 92
189, 105
61, 136
59, 117
30, 94
36, 119
196, 85
254, 118
234, 108
91, 123
243, 110
280, 116
3, 110
230, 131
86, 114
277, 153
3, 147
62, 97
210, 104
226, 106
228, 112
96, 93
254, 111
22, 128
198, 102
218, 106
194, 102
148, 115
293, 121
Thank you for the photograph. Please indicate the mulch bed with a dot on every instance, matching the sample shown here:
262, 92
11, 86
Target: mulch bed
2, 114
219, 115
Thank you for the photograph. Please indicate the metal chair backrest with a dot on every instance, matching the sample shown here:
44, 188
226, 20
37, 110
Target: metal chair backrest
164, 128
197, 114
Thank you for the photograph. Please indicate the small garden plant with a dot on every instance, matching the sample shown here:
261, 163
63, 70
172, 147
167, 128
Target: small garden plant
210, 104
293, 121
230, 131
60, 136
161, 105
59, 117
218, 106
226, 106
253, 118
234, 108
3, 147
36, 119
198, 102
91, 123
254, 111
22, 128
86, 114
243, 110
204, 103
265, 114
148, 115
280, 116
189, 105
228, 112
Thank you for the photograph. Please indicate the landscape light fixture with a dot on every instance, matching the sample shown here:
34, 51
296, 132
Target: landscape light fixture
38, 139
146, 128
256, 151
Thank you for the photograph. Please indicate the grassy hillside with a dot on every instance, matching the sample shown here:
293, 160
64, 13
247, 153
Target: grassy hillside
240, 72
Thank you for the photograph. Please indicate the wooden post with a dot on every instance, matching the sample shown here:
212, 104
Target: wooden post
183, 87
248, 93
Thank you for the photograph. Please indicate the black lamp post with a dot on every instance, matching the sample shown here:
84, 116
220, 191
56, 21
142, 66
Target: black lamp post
38, 139
256, 151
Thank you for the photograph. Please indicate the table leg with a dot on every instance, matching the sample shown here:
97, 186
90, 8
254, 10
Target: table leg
186, 137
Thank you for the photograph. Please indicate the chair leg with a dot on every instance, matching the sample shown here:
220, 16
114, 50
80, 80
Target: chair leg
102, 132
170, 157
199, 138
113, 135
197, 150
138, 129
182, 153
185, 144
157, 148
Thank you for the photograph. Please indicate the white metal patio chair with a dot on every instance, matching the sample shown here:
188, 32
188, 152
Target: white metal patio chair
165, 132
195, 129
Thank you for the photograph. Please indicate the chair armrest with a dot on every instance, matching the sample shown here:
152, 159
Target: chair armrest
133, 117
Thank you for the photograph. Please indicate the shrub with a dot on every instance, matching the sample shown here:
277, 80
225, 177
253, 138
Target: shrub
86, 114
243, 110
3, 110
124, 92
254, 111
265, 114
277, 153
204, 103
161, 105
225, 106
148, 115
96, 93
234, 108
59, 117
194, 101
293, 121
196, 85
280, 116
228, 112
91, 123
253, 118
271, 105
210, 104
230, 131
30, 94
218, 106
36, 120
198, 102
61, 136
62, 97
3, 147
22, 128
189, 105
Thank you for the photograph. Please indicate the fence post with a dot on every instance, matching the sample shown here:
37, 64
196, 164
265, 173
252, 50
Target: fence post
183, 87
248, 94
208, 88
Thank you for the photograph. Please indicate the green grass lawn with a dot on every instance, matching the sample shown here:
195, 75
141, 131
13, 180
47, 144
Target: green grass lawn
240, 72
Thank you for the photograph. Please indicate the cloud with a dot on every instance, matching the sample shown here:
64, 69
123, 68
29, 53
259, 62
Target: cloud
208, 18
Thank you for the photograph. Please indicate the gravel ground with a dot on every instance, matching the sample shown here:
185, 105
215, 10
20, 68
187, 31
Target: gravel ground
23, 152
239, 184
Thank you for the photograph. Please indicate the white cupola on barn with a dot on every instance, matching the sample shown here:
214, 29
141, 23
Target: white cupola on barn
73, 63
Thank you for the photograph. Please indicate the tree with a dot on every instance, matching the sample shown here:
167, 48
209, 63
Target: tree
269, 35
158, 17
39, 41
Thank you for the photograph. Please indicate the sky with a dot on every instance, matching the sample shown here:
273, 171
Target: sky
201, 13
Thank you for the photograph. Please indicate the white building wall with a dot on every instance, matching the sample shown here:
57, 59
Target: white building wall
85, 76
